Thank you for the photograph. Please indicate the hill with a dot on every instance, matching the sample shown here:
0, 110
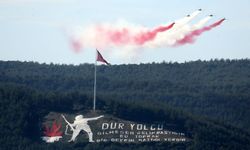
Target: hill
21, 122
217, 89
207, 100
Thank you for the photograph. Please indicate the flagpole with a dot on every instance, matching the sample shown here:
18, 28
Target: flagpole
94, 101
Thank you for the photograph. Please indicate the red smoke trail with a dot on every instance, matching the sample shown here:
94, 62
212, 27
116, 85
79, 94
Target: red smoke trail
119, 37
150, 35
107, 36
190, 38
126, 36
76, 45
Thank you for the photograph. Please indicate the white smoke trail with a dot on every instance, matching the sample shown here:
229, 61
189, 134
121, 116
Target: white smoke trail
180, 29
168, 38
126, 40
124, 34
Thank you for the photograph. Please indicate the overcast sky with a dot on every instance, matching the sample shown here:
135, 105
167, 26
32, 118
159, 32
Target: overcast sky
34, 30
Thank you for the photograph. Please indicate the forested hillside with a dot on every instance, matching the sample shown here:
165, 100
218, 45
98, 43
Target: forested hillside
209, 100
23, 108
217, 89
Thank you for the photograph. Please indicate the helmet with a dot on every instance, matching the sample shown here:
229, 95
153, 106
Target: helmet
78, 117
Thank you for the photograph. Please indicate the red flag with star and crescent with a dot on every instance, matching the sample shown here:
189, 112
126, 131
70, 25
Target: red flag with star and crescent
100, 58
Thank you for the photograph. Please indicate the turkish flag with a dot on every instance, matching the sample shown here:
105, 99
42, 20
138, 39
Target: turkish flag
100, 58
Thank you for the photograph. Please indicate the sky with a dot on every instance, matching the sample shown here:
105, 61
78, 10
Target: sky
39, 30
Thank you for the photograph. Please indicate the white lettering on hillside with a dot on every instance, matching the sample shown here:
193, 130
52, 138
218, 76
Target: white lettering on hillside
137, 132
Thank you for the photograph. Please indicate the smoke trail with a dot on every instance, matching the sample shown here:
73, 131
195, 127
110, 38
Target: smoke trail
175, 34
111, 35
183, 21
201, 23
76, 45
123, 39
124, 34
190, 38
141, 38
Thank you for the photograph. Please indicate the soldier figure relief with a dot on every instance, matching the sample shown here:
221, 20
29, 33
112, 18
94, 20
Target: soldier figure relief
80, 123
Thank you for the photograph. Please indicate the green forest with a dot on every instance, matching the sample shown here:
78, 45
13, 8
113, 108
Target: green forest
209, 100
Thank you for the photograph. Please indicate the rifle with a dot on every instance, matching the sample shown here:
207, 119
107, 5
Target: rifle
68, 124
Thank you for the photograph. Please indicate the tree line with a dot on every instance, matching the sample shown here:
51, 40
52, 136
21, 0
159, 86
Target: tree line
206, 99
